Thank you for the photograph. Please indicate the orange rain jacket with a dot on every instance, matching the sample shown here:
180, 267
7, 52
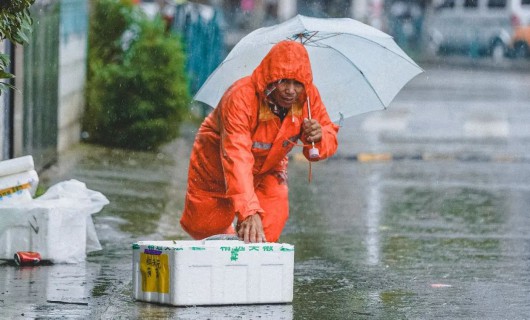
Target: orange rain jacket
238, 165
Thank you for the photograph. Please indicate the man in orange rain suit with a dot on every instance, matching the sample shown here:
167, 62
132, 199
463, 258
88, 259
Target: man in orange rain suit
238, 165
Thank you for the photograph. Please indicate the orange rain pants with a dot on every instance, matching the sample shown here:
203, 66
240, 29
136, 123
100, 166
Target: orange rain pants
204, 217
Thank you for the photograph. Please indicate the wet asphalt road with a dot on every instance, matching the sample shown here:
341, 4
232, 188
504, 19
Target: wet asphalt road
422, 214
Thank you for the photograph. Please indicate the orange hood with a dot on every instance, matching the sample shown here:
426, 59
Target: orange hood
287, 59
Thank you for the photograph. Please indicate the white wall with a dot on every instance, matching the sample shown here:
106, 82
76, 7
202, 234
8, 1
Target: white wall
2, 115
72, 71
72, 75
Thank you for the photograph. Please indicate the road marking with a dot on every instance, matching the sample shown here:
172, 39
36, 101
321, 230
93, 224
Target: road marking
373, 157
486, 128
367, 157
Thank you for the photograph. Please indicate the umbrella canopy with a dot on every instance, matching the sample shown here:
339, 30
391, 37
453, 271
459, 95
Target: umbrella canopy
356, 68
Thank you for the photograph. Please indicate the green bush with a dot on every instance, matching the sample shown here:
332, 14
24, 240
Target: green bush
137, 92
15, 25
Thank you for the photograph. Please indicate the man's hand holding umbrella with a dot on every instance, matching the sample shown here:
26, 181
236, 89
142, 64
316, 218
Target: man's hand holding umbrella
312, 130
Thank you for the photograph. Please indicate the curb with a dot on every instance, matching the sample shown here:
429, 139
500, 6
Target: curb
369, 157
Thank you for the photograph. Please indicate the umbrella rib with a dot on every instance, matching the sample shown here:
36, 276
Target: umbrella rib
316, 41
308, 39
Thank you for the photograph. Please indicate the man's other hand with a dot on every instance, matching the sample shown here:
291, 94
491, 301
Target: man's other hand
251, 229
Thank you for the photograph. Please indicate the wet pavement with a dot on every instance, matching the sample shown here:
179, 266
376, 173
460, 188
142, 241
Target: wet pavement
423, 214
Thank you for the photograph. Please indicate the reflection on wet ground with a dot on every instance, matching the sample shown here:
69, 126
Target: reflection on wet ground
389, 240
411, 240
51, 290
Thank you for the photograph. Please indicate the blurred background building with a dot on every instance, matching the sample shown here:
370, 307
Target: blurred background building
210, 28
244, 15
43, 118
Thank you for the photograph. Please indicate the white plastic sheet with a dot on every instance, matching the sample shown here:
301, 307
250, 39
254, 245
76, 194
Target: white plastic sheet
18, 180
57, 224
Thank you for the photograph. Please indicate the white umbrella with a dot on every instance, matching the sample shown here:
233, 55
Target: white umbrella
356, 68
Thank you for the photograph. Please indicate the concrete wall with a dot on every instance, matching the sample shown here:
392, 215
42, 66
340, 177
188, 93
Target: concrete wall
72, 74
72, 71
3, 109
18, 112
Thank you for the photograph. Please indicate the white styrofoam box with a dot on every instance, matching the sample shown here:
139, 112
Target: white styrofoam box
58, 224
57, 235
18, 187
212, 272
16, 165
18, 180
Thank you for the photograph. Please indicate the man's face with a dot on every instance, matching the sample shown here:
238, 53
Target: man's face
286, 93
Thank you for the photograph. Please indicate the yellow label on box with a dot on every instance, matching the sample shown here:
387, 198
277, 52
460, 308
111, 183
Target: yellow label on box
155, 272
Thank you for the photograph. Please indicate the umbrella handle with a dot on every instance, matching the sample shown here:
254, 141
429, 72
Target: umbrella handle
313, 152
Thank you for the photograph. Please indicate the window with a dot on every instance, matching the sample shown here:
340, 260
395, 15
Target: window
447, 4
470, 3
497, 3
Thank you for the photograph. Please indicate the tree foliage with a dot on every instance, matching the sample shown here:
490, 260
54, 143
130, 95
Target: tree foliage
137, 90
15, 25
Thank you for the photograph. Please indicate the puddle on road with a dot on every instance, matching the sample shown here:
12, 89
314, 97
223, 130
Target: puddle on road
449, 210
370, 247
46, 290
